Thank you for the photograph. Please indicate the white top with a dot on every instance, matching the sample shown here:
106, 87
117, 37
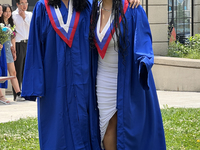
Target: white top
69, 17
101, 34
22, 26
107, 75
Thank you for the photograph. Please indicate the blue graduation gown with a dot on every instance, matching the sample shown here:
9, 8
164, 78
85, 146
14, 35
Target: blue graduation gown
3, 67
60, 77
139, 121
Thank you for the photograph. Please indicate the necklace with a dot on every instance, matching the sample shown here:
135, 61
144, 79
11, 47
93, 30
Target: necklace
106, 9
6, 22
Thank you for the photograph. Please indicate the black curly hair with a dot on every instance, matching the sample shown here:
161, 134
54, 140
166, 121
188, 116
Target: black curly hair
10, 20
117, 10
78, 5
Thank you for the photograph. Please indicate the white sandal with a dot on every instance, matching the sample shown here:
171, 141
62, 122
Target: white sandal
4, 100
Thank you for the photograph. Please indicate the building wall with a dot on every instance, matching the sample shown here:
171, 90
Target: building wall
158, 19
196, 16
6, 2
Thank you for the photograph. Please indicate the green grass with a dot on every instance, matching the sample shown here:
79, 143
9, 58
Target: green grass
182, 131
182, 128
19, 135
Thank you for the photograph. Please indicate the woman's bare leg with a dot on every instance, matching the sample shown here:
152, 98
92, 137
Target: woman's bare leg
2, 98
1, 94
110, 137
12, 72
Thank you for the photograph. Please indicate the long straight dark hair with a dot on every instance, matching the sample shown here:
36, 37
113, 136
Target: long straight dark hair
10, 20
78, 5
117, 10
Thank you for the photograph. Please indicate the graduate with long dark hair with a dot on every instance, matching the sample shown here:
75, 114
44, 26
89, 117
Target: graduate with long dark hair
57, 71
129, 113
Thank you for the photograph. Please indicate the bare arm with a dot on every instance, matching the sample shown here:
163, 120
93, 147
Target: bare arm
13, 50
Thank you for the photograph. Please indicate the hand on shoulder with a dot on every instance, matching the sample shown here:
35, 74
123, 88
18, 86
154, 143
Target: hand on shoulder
134, 3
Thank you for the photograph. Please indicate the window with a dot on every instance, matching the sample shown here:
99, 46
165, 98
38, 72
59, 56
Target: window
179, 18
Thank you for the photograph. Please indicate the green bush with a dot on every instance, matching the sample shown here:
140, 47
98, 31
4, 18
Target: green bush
189, 50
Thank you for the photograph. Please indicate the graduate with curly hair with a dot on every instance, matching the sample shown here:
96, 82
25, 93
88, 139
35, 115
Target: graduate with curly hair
129, 113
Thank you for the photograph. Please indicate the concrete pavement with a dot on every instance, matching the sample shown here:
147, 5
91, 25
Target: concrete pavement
179, 99
17, 110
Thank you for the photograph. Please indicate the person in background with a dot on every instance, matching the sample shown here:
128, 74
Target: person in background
3, 67
129, 113
3, 71
7, 20
22, 19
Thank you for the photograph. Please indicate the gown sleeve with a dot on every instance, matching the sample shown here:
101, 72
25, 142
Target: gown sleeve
33, 78
143, 51
3, 67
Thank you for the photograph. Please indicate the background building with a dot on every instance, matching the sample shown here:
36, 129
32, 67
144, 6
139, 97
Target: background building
182, 15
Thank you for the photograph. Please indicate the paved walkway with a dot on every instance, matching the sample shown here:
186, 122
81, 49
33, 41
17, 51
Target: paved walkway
17, 110
179, 99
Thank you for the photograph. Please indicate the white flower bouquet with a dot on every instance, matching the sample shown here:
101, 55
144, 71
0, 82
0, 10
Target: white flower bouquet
5, 33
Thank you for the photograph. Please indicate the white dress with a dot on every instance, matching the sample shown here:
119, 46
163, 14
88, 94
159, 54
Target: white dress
106, 82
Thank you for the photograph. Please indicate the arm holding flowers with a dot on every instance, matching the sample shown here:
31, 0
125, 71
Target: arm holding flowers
5, 33
12, 48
